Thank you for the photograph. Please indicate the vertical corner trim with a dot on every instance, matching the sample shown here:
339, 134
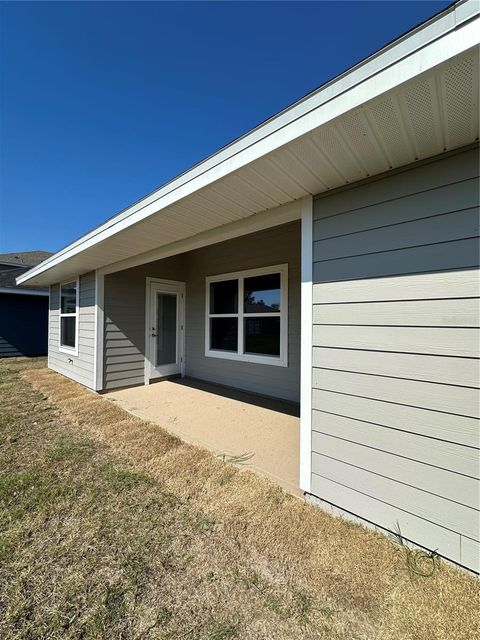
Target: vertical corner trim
306, 346
49, 328
99, 331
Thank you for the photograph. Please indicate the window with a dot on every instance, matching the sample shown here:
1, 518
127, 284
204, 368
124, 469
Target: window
68, 316
247, 316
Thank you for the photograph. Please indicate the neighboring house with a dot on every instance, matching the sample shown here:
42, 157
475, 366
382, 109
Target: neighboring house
23, 308
329, 256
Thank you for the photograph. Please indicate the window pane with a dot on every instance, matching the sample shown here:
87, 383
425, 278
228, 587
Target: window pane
166, 328
69, 297
224, 296
262, 294
224, 334
67, 331
262, 336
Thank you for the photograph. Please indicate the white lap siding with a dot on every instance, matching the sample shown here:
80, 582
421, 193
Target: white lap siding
79, 367
395, 353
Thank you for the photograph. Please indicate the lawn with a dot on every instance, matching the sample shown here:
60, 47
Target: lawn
112, 528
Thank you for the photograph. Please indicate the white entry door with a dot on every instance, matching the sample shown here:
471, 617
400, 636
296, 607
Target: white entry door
164, 327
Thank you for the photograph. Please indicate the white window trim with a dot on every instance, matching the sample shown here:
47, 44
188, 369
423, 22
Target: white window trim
73, 351
282, 360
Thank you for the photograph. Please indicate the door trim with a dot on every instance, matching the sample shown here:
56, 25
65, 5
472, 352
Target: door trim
148, 356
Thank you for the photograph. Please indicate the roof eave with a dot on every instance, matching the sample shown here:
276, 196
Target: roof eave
423, 48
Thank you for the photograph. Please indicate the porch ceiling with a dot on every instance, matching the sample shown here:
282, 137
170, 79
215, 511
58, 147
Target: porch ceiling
415, 99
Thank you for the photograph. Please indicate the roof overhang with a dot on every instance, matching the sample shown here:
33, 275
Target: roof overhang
415, 99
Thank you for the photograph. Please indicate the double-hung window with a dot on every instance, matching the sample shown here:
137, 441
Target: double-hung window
69, 316
247, 316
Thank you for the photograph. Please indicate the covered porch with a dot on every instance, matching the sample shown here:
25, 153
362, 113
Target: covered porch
227, 313
206, 343
259, 433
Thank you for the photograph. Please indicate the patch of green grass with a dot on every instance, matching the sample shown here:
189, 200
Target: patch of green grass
69, 449
121, 479
222, 631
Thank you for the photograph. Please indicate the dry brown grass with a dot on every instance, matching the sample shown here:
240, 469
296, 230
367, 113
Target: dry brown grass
276, 568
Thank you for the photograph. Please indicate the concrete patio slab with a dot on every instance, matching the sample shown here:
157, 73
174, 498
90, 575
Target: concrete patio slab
224, 421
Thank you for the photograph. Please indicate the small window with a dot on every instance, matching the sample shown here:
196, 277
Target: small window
68, 316
247, 315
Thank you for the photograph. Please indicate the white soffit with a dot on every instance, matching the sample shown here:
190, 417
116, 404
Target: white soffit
414, 100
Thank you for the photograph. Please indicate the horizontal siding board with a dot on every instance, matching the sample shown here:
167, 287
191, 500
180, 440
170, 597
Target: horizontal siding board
83, 368
460, 429
445, 228
73, 374
125, 381
445, 199
419, 286
115, 335
441, 369
412, 527
470, 553
135, 365
452, 486
437, 397
435, 341
414, 180
448, 514
114, 361
428, 313
431, 451
118, 343
127, 374
121, 351
458, 254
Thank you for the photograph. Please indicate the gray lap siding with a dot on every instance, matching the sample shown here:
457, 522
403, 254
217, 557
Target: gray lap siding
395, 353
79, 367
124, 318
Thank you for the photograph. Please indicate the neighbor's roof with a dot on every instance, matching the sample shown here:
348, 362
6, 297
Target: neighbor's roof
24, 258
13, 265
414, 99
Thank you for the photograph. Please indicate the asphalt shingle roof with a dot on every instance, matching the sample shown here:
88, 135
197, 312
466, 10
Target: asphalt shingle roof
25, 258
14, 264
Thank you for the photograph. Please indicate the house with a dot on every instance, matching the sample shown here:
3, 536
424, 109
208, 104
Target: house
23, 308
330, 257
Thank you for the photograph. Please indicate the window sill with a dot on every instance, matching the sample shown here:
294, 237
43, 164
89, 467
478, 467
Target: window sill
68, 350
248, 357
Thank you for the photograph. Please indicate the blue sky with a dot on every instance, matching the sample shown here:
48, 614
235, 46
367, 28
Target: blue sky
101, 103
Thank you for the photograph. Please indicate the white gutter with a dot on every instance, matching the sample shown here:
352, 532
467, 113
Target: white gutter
421, 49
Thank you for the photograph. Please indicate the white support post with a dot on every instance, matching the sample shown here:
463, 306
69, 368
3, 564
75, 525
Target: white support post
99, 330
306, 346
